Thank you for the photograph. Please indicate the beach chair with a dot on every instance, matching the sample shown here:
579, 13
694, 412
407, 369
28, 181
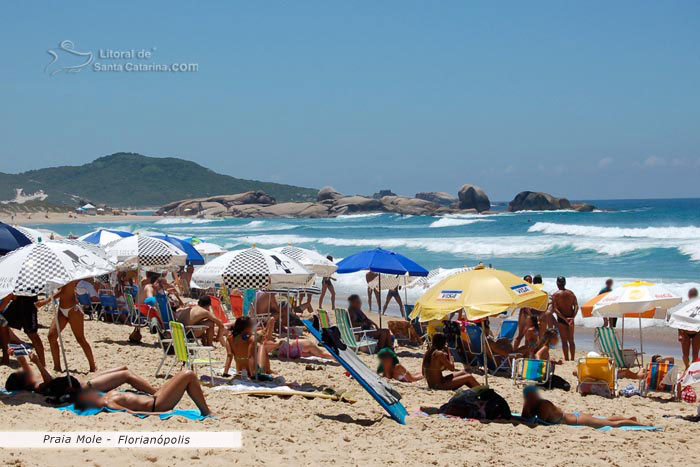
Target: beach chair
109, 306
86, 304
218, 309
236, 305
660, 377
188, 354
508, 329
606, 343
472, 336
323, 318
534, 371
593, 371
348, 333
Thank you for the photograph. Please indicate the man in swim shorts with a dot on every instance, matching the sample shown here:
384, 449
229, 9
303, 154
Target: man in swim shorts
563, 309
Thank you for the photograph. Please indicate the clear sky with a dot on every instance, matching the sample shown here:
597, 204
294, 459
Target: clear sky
588, 99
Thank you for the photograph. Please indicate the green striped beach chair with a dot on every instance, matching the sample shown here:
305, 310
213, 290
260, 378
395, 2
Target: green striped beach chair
323, 318
347, 332
607, 344
188, 354
534, 371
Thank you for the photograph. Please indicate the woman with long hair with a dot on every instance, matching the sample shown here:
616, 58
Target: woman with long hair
439, 358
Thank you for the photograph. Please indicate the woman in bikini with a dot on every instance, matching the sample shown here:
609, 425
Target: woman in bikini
327, 285
390, 368
69, 313
536, 407
542, 348
439, 358
243, 347
689, 339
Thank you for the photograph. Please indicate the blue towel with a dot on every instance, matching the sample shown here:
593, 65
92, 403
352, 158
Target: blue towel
539, 421
188, 414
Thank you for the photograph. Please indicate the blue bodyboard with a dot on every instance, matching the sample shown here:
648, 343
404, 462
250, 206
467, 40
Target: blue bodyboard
395, 410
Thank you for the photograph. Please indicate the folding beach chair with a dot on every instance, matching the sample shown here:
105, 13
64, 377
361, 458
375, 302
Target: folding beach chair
218, 309
596, 371
86, 304
188, 354
323, 318
236, 305
474, 345
508, 329
660, 377
109, 306
607, 344
347, 332
535, 371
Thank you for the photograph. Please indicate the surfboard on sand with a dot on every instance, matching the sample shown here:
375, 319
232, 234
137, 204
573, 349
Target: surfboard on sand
370, 381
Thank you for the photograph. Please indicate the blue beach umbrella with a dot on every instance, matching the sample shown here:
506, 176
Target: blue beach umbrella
193, 256
11, 239
104, 236
382, 262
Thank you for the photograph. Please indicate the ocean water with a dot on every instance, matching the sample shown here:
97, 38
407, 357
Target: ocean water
653, 240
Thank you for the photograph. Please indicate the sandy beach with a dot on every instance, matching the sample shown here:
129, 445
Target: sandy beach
64, 218
298, 431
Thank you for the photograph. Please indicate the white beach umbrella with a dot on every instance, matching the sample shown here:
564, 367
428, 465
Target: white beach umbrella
146, 252
37, 235
434, 276
685, 316
254, 268
28, 270
389, 282
310, 259
209, 249
104, 236
635, 298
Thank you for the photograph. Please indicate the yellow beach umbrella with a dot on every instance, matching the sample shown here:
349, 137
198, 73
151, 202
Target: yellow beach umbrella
481, 292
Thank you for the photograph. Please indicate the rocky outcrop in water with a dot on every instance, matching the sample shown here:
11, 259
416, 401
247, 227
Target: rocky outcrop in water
439, 197
540, 201
473, 197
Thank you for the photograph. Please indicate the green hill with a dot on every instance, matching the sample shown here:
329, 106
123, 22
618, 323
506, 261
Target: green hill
128, 179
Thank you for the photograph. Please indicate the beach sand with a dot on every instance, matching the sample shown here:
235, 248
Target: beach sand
63, 218
298, 431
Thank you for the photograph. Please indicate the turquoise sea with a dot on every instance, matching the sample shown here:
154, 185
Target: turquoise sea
654, 240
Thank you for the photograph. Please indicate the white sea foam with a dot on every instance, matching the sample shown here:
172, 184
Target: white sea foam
455, 221
185, 220
687, 232
360, 216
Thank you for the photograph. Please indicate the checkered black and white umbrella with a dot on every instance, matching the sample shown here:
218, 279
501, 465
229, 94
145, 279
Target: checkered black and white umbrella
254, 268
28, 270
37, 235
310, 259
144, 252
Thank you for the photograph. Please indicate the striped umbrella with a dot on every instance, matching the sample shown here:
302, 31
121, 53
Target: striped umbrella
104, 236
310, 259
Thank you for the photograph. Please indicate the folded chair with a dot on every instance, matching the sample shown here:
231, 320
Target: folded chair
596, 371
660, 377
323, 318
607, 344
347, 332
534, 371
188, 354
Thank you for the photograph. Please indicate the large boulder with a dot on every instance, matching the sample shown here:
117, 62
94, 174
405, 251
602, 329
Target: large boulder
382, 193
473, 197
249, 197
537, 201
409, 206
353, 204
438, 197
328, 193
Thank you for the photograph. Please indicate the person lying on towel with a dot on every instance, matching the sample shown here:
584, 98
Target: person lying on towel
162, 401
546, 411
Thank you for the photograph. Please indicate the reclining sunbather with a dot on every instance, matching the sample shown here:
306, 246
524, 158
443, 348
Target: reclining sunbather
439, 358
163, 400
390, 368
546, 411
27, 380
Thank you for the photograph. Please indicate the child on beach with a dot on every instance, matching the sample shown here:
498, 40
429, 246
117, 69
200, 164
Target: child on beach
390, 368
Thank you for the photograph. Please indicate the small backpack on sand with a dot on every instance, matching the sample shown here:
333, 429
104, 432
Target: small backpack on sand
481, 403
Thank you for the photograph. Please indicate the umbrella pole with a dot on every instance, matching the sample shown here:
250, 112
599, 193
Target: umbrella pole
288, 307
623, 331
484, 353
641, 340
380, 300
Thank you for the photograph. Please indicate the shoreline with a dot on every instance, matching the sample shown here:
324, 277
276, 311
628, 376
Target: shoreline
39, 218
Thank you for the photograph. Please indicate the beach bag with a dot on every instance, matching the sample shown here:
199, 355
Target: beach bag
331, 337
480, 403
557, 382
594, 387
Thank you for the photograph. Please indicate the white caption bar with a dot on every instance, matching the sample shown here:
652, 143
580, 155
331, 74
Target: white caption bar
121, 439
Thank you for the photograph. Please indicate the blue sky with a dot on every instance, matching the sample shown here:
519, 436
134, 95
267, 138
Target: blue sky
582, 99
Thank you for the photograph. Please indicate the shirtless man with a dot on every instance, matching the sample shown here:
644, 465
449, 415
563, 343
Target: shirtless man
202, 315
69, 313
546, 411
146, 296
563, 309
162, 401
439, 358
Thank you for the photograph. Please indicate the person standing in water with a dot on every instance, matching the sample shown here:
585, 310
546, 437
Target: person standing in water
327, 285
563, 309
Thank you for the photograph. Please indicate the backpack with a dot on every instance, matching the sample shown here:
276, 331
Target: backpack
59, 391
481, 403
331, 337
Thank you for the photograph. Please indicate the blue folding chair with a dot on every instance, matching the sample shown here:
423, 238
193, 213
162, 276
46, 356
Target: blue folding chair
508, 329
474, 345
109, 306
86, 304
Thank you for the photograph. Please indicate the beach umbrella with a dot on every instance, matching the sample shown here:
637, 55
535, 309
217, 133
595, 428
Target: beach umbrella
27, 270
145, 252
253, 268
104, 236
481, 292
587, 308
208, 248
685, 316
11, 239
193, 256
310, 259
381, 261
37, 235
691, 375
633, 300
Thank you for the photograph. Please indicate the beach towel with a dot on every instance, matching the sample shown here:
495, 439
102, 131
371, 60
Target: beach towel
539, 421
193, 415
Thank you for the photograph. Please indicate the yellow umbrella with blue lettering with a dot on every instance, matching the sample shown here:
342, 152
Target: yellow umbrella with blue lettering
480, 292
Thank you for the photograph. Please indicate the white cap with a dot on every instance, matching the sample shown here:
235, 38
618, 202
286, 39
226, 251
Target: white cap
593, 354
